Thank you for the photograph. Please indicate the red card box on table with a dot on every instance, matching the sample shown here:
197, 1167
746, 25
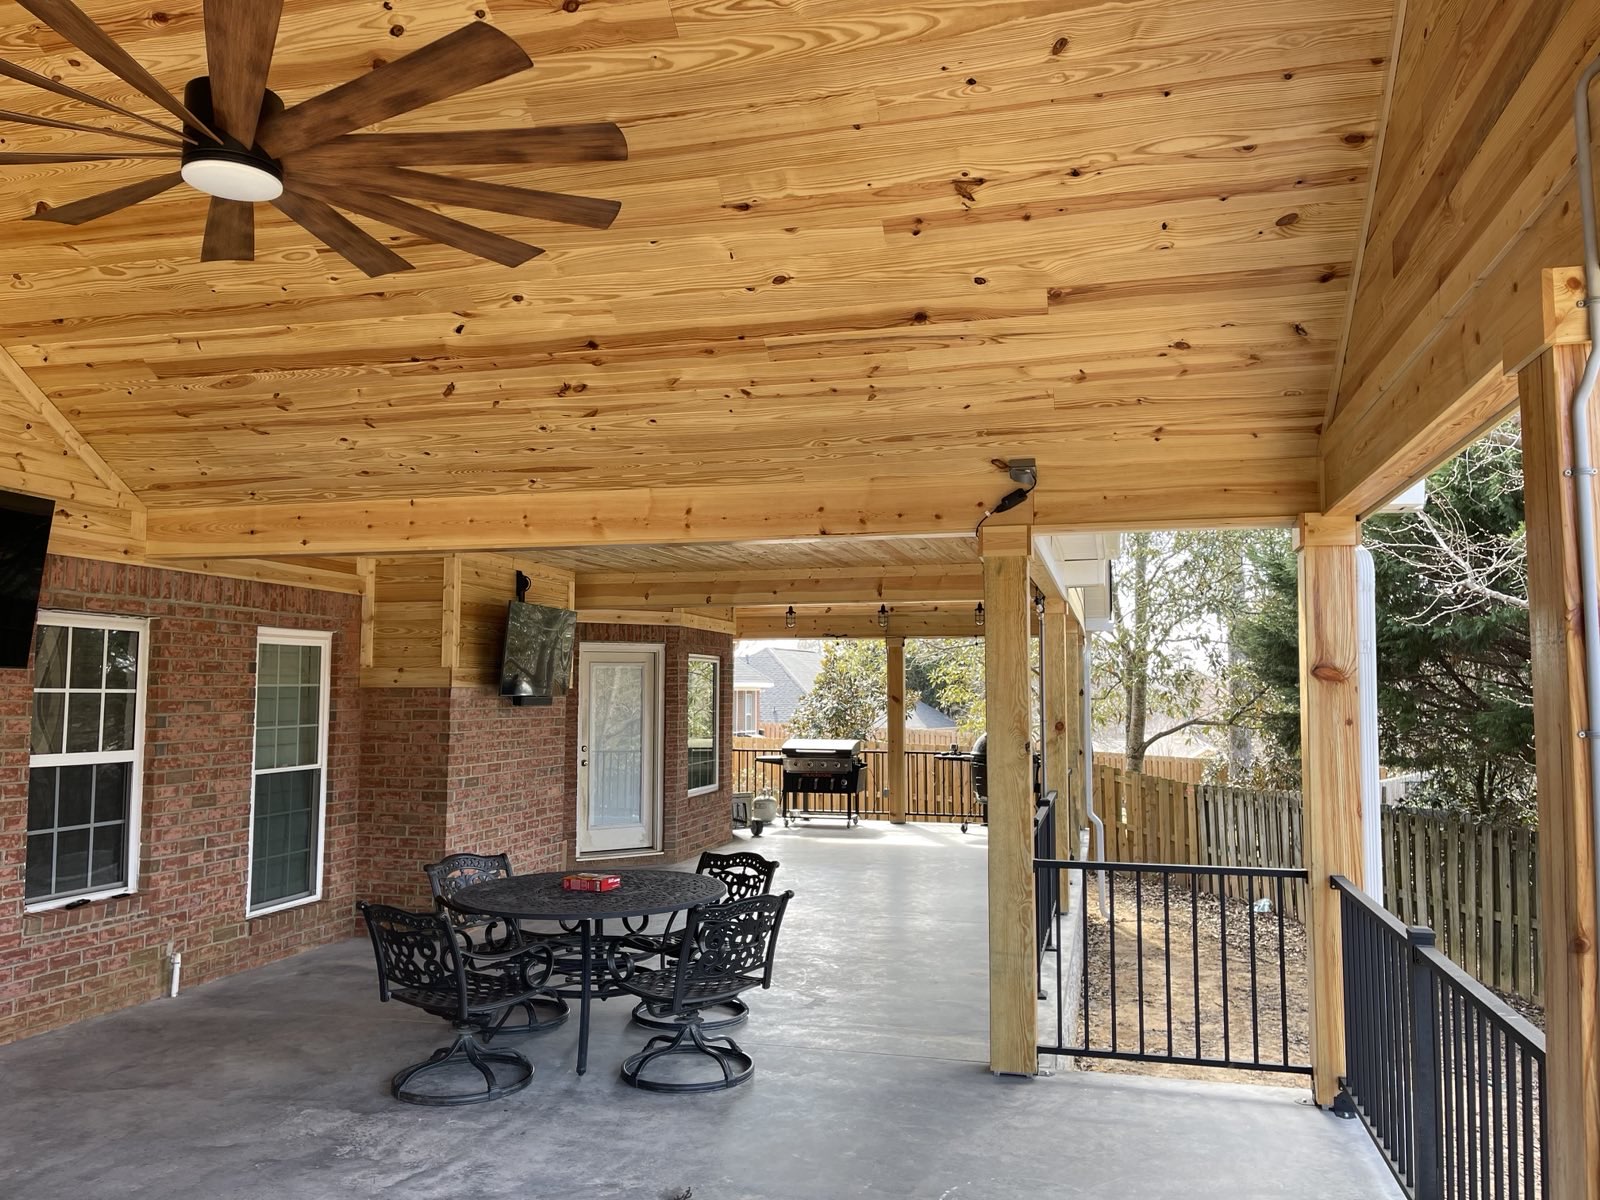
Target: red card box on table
591, 881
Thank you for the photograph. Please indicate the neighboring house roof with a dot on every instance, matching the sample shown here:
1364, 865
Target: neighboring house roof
747, 679
923, 716
792, 673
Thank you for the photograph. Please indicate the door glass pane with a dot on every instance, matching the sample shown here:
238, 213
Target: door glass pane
616, 744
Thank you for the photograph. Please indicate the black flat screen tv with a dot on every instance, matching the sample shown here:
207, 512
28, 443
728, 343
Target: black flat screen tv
537, 664
24, 541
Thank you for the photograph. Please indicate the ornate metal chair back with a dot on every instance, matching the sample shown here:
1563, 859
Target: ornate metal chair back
730, 942
744, 874
415, 951
456, 871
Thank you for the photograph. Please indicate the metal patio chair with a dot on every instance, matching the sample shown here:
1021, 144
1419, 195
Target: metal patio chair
745, 874
421, 963
726, 950
486, 940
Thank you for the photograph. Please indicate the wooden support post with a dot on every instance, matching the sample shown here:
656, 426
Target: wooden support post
1074, 813
896, 775
1330, 769
1013, 1003
1566, 849
1060, 770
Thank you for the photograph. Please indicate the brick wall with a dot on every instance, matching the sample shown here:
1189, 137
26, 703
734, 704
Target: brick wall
405, 767
690, 823
60, 965
412, 774
507, 779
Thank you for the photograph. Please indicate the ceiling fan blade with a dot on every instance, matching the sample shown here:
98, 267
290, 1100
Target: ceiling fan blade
546, 144
240, 36
72, 23
230, 231
45, 83
483, 243
469, 193
18, 118
472, 55
106, 203
366, 252
20, 159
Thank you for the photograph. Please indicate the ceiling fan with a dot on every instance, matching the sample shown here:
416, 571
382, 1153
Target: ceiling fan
241, 146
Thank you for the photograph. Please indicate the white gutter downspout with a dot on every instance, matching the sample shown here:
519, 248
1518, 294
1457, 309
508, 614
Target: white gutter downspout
1086, 718
1583, 468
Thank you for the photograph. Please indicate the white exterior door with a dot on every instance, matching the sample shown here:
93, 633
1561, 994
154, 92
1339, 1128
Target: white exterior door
619, 747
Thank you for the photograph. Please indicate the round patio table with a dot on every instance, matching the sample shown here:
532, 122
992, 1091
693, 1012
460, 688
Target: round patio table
540, 897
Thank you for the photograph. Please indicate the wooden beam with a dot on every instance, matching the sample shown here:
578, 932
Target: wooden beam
1197, 492
367, 572
895, 657
844, 621
718, 621
450, 614
34, 402
1568, 918
1013, 967
1330, 771
1397, 33
821, 585
1453, 375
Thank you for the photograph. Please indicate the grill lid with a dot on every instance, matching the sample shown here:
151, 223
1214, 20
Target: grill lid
821, 746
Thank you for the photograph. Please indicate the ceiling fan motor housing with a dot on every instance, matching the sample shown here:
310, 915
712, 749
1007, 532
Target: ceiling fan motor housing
229, 170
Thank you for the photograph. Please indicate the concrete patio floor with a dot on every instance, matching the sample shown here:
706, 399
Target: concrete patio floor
870, 1081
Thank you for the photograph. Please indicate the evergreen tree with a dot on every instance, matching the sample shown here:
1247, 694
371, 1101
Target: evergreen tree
1455, 698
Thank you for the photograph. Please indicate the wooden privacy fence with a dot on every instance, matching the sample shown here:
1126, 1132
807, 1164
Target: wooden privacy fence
937, 789
1476, 885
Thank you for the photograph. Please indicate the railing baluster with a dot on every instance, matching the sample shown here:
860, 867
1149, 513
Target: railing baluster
1138, 948
1166, 948
1283, 976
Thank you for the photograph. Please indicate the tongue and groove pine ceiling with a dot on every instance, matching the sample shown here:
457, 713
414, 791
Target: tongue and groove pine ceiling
859, 240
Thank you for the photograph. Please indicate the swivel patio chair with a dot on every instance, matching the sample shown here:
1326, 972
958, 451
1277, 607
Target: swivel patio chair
421, 963
726, 949
488, 940
744, 874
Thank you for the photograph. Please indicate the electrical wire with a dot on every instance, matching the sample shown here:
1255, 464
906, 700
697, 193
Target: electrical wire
1010, 500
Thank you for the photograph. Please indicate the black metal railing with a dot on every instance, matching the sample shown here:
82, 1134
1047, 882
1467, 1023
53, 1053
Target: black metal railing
1447, 1079
1172, 972
1046, 884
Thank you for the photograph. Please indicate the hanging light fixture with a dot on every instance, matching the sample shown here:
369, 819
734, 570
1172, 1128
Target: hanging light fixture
883, 616
789, 618
977, 615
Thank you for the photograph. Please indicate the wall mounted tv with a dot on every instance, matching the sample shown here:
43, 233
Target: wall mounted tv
24, 539
537, 664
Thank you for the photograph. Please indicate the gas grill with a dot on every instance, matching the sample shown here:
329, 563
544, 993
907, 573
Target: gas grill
819, 767
979, 758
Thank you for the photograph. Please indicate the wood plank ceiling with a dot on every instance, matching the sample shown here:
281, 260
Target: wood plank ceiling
860, 240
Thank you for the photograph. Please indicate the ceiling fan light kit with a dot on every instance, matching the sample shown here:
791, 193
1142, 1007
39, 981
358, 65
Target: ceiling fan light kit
240, 146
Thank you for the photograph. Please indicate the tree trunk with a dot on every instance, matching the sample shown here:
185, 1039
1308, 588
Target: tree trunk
1138, 676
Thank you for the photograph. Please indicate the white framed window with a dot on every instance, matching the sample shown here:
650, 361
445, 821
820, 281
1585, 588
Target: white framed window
745, 708
289, 777
86, 758
703, 701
